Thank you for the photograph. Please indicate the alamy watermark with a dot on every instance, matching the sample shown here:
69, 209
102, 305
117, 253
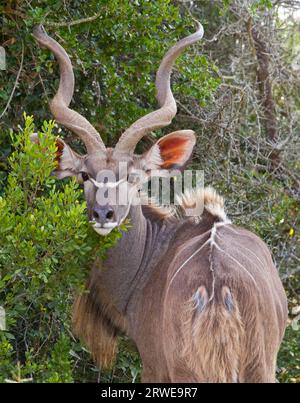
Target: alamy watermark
296, 323
2, 319
2, 58
164, 186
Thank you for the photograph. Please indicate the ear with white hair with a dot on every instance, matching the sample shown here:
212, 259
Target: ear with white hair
69, 163
171, 151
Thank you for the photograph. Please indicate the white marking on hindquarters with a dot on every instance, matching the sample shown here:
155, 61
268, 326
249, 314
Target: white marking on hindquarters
247, 257
186, 261
231, 229
236, 261
211, 241
212, 244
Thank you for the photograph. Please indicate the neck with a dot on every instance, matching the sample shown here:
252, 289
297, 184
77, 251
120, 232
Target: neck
131, 261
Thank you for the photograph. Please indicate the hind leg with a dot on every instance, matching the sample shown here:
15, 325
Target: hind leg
258, 372
258, 376
152, 376
181, 373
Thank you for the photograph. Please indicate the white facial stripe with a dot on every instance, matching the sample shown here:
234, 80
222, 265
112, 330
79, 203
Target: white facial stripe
111, 185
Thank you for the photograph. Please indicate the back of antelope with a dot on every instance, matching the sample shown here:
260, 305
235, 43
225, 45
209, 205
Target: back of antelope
199, 296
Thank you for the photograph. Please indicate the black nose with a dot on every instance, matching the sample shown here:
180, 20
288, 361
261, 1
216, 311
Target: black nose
103, 214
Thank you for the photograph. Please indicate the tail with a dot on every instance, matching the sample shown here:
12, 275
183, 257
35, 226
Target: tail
216, 332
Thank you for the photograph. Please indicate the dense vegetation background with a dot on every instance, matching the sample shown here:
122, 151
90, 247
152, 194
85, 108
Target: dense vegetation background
239, 90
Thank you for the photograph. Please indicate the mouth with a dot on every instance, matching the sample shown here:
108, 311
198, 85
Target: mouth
104, 229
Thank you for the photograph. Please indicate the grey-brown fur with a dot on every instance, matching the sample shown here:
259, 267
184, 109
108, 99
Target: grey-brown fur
177, 343
200, 297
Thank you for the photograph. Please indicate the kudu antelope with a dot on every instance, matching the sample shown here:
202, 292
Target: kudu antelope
200, 297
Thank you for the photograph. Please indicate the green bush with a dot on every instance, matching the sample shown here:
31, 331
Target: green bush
289, 357
46, 247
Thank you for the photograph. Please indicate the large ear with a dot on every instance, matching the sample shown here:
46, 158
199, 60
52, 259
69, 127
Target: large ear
171, 151
68, 162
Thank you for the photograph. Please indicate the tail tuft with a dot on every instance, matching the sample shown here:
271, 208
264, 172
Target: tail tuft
216, 335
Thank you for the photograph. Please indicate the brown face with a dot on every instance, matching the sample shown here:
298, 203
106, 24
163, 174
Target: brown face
112, 181
108, 189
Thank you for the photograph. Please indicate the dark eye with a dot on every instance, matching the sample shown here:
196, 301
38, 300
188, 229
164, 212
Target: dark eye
85, 176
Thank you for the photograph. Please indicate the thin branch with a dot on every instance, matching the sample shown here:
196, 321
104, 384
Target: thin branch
72, 23
15, 85
40, 78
